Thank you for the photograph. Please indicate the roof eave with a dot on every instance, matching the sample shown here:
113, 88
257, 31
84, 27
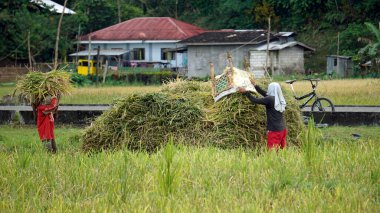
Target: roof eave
220, 43
126, 41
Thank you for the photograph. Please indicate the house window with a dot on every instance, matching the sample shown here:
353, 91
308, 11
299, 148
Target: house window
139, 54
335, 62
165, 55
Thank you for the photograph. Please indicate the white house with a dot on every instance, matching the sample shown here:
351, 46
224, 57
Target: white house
141, 42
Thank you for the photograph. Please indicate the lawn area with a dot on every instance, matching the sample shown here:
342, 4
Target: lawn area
341, 175
341, 92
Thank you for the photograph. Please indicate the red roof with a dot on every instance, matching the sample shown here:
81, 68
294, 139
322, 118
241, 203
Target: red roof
147, 28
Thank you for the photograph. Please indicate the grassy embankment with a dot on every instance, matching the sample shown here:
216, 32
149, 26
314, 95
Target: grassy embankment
341, 92
340, 174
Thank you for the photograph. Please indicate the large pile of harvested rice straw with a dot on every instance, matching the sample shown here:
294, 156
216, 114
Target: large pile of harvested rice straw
186, 111
36, 85
144, 122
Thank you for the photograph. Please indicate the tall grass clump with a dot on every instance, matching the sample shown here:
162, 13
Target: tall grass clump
167, 173
310, 139
185, 110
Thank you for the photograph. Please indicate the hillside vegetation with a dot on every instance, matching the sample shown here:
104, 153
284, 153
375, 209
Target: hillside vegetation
317, 22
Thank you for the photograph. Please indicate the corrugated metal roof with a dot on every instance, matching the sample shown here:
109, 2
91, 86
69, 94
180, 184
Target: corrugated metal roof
101, 52
227, 37
341, 56
54, 7
276, 45
147, 28
285, 34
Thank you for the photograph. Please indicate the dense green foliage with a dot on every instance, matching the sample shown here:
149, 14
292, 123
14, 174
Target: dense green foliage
317, 22
19, 17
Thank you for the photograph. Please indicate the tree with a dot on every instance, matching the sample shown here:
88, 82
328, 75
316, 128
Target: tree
58, 34
262, 12
372, 49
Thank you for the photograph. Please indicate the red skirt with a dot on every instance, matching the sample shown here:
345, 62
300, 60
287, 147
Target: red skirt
45, 124
277, 139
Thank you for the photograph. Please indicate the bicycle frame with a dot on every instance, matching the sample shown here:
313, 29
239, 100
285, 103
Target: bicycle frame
311, 95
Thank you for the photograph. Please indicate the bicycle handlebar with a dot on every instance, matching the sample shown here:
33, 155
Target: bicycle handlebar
308, 79
311, 82
312, 79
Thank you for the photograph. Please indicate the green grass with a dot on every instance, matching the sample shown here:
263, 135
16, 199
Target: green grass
345, 176
6, 89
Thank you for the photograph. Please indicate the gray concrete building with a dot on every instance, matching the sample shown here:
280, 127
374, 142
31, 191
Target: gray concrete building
341, 66
285, 57
285, 54
213, 47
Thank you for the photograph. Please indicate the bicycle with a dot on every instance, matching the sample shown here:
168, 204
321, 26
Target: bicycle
320, 104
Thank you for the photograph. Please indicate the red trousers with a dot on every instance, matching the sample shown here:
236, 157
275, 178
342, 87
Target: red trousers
276, 139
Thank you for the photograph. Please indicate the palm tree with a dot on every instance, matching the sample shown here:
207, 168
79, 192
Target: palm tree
372, 49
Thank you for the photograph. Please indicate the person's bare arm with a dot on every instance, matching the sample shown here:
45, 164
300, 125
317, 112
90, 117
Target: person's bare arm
51, 107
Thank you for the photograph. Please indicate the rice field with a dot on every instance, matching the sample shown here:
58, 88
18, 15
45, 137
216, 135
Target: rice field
104, 95
331, 171
341, 92
342, 175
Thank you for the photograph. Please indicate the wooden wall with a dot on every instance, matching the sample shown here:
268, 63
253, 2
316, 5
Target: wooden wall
10, 74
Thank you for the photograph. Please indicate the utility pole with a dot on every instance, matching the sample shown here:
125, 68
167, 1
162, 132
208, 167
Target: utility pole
118, 10
89, 55
267, 51
176, 9
29, 53
337, 58
97, 65
76, 57
57, 38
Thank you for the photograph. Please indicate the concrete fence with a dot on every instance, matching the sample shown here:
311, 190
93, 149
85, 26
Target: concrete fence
84, 115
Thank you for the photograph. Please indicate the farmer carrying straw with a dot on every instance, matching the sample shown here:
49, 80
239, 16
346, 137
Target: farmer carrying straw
275, 104
43, 90
45, 122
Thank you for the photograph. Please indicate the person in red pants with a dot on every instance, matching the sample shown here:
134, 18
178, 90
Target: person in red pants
45, 122
275, 104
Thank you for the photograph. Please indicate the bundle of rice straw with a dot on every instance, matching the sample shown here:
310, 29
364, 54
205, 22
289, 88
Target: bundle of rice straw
186, 110
144, 122
36, 85
238, 123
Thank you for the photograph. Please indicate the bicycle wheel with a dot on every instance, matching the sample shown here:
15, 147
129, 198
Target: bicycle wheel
322, 105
